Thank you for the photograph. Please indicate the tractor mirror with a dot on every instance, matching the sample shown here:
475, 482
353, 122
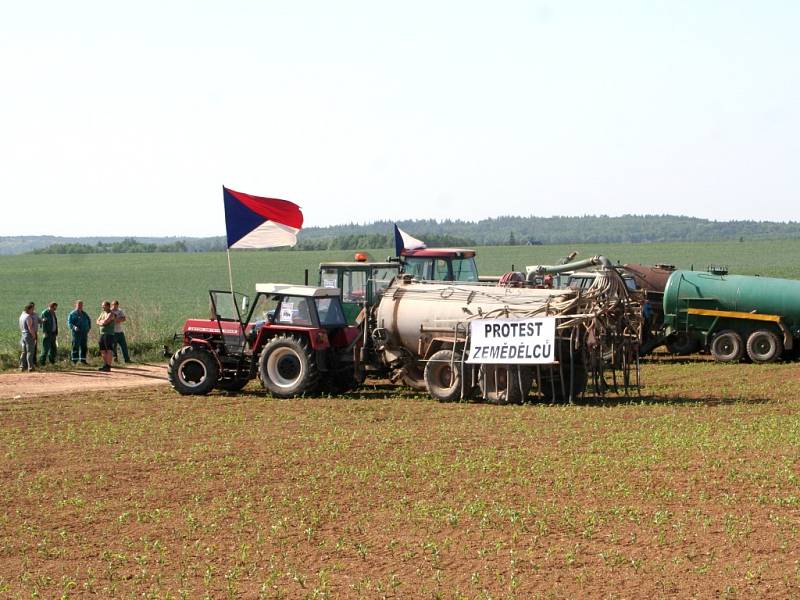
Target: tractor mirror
245, 303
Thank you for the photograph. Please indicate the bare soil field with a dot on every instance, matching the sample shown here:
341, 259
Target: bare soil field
691, 490
49, 382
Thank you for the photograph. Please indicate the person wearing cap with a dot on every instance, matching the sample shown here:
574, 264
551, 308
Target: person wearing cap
28, 333
49, 334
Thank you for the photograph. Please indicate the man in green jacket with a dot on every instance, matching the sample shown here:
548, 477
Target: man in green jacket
49, 334
79, 323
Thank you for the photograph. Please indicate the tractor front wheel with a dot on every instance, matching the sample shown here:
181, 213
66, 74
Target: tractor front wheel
192, 371
287, 367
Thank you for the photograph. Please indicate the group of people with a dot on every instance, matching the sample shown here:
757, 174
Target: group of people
32, 324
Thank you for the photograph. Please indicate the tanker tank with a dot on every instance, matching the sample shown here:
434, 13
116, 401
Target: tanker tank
427, 323
729, 315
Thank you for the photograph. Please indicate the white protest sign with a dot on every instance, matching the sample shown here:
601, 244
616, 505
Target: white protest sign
512, 341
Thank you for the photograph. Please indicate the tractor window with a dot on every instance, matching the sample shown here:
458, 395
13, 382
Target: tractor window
464, 269
228, 307
264, 309
294, 310
354, 286
330, 312
381, 278
440, 271
419, 268
329, 278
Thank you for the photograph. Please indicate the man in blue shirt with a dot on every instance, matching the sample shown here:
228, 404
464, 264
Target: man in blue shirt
79, 324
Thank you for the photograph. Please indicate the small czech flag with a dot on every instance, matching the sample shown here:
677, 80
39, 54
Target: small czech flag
253, 222
405, 241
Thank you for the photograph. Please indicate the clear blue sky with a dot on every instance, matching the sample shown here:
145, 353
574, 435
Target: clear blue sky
127, 118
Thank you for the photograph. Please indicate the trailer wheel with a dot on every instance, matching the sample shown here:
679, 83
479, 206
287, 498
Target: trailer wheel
551, 382
763, 346
494, 383
287, 367
442, 381
414, 377
727, 346
682, 344
192, 371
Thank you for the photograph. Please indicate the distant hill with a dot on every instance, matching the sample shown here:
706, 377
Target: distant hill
505, 230
23, 244
508, 230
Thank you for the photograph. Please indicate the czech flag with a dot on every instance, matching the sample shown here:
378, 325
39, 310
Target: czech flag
253, 222
404, 241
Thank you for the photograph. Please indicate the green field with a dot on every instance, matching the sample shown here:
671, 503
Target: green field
159, 291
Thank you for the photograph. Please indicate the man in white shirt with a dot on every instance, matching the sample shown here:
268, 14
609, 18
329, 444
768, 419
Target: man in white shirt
29, 333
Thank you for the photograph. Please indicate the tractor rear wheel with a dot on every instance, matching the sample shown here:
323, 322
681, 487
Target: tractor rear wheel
442, 380
287, 367
496, 387
727, 346
192, 371
763, 346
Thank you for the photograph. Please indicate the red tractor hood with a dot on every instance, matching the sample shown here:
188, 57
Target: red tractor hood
206, 326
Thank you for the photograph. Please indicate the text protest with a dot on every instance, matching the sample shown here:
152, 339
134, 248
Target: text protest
512, 341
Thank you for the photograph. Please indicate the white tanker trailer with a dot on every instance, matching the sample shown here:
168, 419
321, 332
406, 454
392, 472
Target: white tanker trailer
445, 326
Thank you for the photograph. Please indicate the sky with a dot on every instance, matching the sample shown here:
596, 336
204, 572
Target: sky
128, 118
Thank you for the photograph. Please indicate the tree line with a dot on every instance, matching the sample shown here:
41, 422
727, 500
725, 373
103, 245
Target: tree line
504, 230
126, 246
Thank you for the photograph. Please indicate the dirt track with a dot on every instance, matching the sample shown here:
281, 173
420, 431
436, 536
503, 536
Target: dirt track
46, 383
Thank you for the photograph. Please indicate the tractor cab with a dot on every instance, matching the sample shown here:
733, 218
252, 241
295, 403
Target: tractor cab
440, 264
295, 338
360, 282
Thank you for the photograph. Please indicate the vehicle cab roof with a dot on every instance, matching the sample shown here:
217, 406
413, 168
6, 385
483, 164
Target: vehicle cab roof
307, 291
439, 252
380, 265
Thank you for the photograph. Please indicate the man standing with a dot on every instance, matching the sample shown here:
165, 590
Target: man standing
49, 334
119, 334
79, 323
27, 358
106, 323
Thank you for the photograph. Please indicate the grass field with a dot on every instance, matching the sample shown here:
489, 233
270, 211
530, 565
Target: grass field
159, 291
692, 490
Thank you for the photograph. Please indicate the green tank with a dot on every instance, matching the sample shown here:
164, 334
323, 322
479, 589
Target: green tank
731, 315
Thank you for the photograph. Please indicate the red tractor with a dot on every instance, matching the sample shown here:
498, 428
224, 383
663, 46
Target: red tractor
295, 338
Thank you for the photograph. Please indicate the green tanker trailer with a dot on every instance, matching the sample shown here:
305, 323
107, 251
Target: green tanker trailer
730, 315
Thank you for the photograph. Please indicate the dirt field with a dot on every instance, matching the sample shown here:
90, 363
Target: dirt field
44, 382
692, 490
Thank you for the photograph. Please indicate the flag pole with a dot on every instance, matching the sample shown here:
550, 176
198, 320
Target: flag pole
230, 271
